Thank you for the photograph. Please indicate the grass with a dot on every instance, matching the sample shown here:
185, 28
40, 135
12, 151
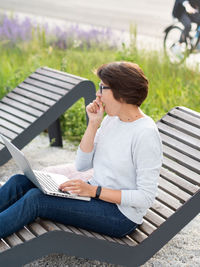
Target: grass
169, 85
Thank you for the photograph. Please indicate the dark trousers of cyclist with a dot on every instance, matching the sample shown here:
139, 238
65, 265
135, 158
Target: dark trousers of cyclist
186, 20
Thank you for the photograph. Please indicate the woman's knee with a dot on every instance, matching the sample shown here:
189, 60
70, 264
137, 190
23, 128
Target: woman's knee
20, 179
34, 194
32, 199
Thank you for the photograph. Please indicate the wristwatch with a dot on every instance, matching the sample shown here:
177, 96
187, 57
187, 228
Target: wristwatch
98, 192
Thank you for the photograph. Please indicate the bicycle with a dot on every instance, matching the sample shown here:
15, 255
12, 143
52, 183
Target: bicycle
171, 40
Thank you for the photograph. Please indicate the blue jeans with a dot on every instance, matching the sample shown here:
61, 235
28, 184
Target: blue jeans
21, 203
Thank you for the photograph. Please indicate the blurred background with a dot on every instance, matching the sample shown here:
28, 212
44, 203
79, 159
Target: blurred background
77, 36
151, 16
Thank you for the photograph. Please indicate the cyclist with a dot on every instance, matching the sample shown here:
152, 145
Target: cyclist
186, 12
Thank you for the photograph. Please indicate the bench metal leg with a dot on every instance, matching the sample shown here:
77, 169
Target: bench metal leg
55, 135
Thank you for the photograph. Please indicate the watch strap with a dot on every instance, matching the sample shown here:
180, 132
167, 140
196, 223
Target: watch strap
98, 192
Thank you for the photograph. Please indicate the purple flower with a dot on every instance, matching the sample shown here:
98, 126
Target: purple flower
15, 30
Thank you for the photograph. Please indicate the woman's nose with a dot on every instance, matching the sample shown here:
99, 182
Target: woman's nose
98, 93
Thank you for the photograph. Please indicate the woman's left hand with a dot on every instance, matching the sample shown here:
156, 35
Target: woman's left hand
78, 187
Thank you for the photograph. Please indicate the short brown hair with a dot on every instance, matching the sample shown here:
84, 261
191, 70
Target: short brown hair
126, 80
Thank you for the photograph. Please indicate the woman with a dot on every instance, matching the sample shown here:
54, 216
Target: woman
124, 152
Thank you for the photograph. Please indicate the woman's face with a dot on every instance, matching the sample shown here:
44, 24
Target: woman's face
112, 106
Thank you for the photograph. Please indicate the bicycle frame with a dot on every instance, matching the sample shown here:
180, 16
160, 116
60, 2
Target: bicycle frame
190, 42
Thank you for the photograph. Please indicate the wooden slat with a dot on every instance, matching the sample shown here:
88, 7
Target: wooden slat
173, 190
182, 126
25, 235
93, 235
182, 159
178, 135
147, 227
66, 75
36, 228
168, 200
116, 240
63, 227
14, 119
190, 119
48, 225
102, 237
79, 231
161, 209
40, 91
86, 233
10, 126
13, 240
182, 171
119, 240
9, 134
97, 235
52, 81
3, 245
181, 147
29, 104
189, 111
75, 230
154, 218
138, 236
59, 76
180, 182
21, 114
129, 241
45, 86
109, 238
40, 99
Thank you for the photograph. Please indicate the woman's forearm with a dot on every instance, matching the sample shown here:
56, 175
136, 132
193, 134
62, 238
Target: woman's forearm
87, 142
109, 195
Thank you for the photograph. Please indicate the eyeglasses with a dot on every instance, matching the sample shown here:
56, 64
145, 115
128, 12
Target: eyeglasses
101, 87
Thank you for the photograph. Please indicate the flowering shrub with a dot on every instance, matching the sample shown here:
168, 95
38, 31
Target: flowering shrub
14, 30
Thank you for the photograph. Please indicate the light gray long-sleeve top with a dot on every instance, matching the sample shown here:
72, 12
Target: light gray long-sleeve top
127, 156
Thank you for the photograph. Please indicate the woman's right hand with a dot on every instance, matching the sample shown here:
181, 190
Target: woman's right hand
95, 111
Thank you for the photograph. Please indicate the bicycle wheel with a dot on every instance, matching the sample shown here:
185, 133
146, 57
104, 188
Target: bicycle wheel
195, 41
171, 40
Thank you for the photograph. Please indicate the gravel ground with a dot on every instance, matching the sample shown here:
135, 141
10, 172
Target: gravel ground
182, 251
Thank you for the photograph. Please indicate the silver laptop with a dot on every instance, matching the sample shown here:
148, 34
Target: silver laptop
48, 183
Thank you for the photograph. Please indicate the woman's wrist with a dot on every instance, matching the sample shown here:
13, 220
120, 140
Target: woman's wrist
94, 124
93, 191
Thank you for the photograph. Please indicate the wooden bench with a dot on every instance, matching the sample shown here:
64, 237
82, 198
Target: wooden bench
177, 203
37, 103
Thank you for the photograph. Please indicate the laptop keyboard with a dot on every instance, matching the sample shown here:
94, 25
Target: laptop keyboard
49, 184
46, 181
